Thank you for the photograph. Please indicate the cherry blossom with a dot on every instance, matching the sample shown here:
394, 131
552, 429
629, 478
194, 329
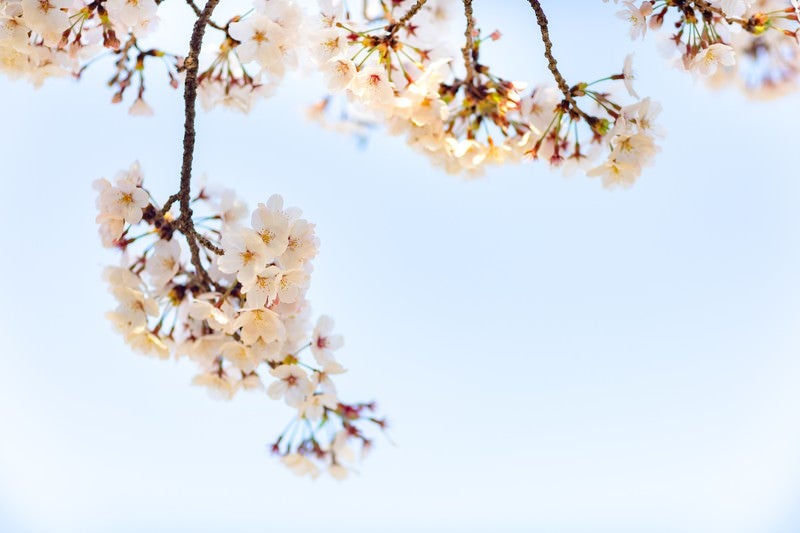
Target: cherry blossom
246, 325
203, 279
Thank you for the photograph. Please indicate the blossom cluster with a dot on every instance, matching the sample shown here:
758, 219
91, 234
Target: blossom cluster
46, 38
393, 68
632, 142
749, 43
256, 53
391, 63
237, 308
387, 63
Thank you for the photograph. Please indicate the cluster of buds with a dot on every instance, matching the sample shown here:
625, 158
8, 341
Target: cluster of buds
237, 309
130, 70
750, 43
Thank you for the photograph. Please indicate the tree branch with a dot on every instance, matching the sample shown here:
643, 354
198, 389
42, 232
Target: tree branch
402, 21
541, 19
191, 65
199, 12
468, 52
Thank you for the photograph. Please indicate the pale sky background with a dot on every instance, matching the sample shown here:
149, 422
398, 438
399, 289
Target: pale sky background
553, 357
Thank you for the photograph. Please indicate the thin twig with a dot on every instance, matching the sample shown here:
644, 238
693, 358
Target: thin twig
208, 244
402, 21
541, 19
199, 12
468, 52
171, 200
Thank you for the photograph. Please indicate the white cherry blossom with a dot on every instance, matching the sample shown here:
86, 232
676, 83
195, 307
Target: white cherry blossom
718, 54
324, 342
245, 254
162, 266
292, 384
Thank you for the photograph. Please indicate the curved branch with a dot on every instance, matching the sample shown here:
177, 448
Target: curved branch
405, 19
199, 12
541, 19
191, 65
468, 52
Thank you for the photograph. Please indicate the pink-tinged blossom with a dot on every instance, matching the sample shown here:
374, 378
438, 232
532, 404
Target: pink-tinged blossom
324, 342
291, 383
707, 60
636, 17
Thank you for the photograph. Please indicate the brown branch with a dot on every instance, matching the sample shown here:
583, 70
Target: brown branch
191, 64
402, 21
468, 52
541, 19
208, 244
171, 200
199, 12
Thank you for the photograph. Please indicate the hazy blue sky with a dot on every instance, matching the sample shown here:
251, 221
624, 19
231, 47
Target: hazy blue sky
553, 357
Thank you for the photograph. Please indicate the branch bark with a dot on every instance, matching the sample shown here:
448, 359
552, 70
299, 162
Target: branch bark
552, 64
191, 65
199, 12
468, 52
406, 18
